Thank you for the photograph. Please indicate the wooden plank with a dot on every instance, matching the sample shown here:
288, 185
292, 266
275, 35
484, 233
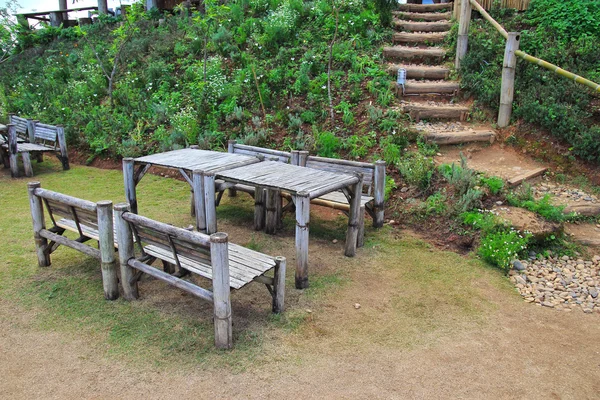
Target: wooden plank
413, 37
420, 71
517, 180
418, 112
90, 251
195, 238
419, 16
411, 26
405, 52
66, 199
431, 87
460, 137
425, 7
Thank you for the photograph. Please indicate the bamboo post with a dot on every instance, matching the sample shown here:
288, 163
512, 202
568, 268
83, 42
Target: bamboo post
508, 79
353, 219
102, 7
456, 10
302, 221
303, 158
198, 190
209, 203
129, 180
272, 197
125, 242
31, 130
259, 208
379, 193
27, 164
12, 150
106, 242
279, 285
37, 216
230, 149
463, 32
62, 143
219, 258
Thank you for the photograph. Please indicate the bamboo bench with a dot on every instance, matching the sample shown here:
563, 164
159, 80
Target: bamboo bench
212, 257
26, 136
91, 221
372, 199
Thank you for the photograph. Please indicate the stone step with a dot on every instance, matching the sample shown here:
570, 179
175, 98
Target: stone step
430, 88
407, 53
423, 38
425, 111
420, 71
458, 137
414, 16
424, 8
411, 26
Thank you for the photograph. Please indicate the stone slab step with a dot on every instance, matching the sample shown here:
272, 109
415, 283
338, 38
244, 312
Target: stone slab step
517, 180
459, 137
415, 16
587, 210
407, 53
432, 88
425, 7
411, 26
425, 111
420, 71
424, 38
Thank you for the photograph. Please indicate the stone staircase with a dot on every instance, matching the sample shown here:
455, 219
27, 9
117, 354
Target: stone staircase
428, 93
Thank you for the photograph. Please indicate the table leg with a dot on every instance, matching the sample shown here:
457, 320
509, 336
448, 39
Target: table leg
27, 164
272, 197
129, 180
353, 219
302, 220
198, 197
209, 203
259, 208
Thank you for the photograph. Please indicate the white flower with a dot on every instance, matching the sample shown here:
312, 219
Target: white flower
323, 87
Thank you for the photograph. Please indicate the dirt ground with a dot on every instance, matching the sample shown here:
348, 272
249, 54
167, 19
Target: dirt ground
514, 351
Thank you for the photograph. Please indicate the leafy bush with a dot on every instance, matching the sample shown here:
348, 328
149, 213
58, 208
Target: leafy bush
493, 183
417, 170
436, 204
327, 144
501, 247
542, 207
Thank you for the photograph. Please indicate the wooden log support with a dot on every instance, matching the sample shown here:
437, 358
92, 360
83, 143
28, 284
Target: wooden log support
431, 88
31, 130
295, 159
407, 52
130, 183
517, 180
219, 256
272, 198
39, 224
126, 253
354, 218
106, 242
420, 71
198, 198
423, 16
231, 191
360, 241
302, 201
279, 285
456, 9
425, 7
507, 90
209, 203
12, 150
303, 158
410, 37
410, 26
62, 143
463, 32
379, 194
259, 208
27, 163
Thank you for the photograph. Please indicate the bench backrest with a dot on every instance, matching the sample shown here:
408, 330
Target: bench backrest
46, 134
267, 154
59, 205
345, 167
178, 241
22, 125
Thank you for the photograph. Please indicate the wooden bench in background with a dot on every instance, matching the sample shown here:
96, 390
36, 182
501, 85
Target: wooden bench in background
227, 265
91, 221
26, 137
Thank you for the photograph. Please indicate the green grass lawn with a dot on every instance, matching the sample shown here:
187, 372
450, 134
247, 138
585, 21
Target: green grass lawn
426, 290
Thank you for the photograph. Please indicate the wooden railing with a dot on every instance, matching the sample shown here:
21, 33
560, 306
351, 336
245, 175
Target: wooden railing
511, 52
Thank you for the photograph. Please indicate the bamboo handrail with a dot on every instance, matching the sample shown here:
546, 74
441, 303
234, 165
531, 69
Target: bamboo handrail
534, 60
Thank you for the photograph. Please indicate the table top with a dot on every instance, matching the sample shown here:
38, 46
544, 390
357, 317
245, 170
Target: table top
291, 178
195, 159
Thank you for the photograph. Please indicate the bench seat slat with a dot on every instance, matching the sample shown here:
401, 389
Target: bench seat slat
24, 147
339, 197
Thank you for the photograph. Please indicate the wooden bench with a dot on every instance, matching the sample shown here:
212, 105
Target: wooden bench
212, 257
26, 136
372, 200
91, 221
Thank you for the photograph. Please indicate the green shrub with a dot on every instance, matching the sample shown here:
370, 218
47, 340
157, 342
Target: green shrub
327, 144
542, 207
501, 247
469, 200
436, 204
493, 183
417, 170
480, 220
390, 186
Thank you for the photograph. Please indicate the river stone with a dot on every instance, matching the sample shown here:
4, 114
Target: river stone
518, 265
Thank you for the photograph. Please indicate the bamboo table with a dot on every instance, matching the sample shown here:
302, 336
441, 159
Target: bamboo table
185, 161
303, 184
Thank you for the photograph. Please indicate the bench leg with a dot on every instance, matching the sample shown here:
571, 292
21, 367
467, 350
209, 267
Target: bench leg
168, 267
192, 204
302, 221
360, 240
232, 192
14, 165
353, 220
39, 157
279, 285
27, 164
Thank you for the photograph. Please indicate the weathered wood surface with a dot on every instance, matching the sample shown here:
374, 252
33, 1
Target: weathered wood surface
405, 52
517, 180
431, 87
279, 285
126, 252
463, 32
30, 147
83, 248
106, 244
507, 89
39, 224
460, 137
302, 202
411, 26
267, 154
291, 178
425, 7
195, 159
418, 111
353, 220
420, 71
221, 291
422, 16
412, 37
66, 199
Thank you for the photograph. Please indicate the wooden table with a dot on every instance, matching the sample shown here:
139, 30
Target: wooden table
303, 184
185, 161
